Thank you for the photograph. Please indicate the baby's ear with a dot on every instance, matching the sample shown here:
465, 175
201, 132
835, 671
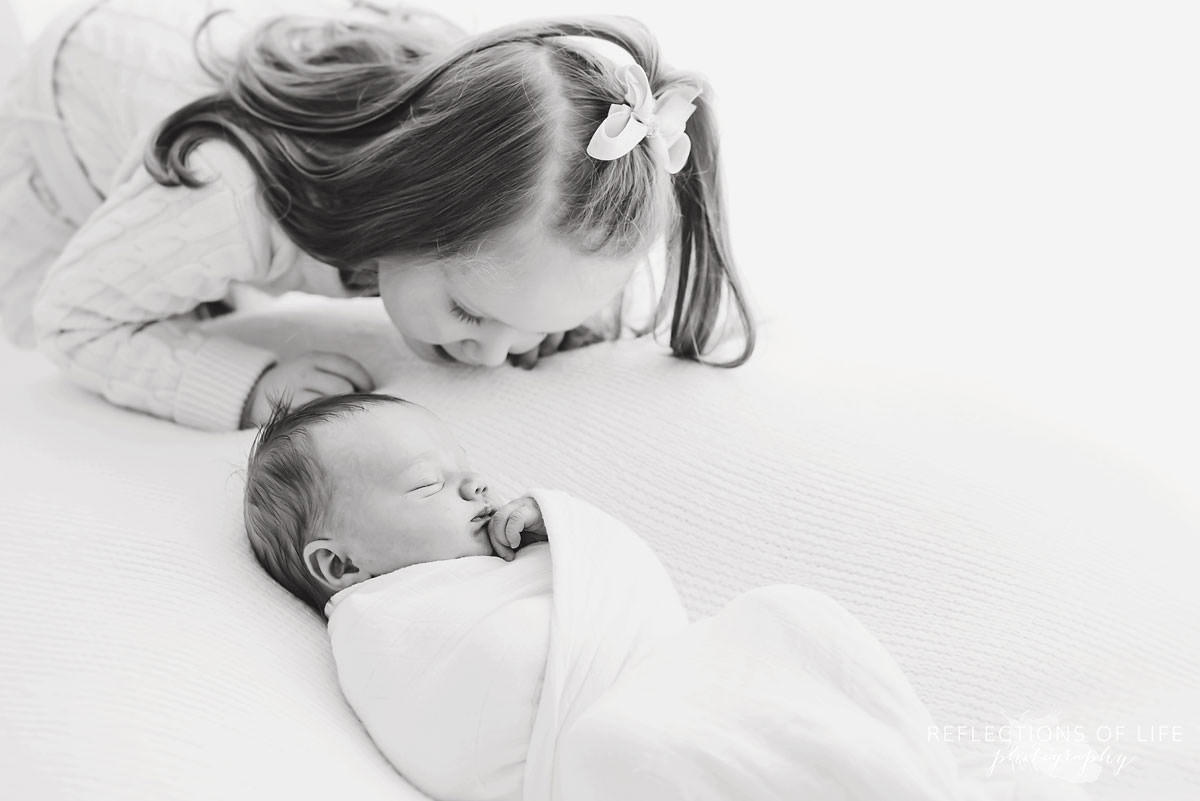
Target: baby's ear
328, 563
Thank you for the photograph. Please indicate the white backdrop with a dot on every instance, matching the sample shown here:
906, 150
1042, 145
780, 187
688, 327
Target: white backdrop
997, 201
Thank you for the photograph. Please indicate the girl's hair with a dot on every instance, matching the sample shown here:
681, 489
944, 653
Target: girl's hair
369, 140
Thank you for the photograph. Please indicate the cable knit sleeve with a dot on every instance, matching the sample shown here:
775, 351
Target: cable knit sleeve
115, 309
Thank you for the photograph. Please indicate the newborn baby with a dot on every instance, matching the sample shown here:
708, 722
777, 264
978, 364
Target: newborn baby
492, 662
354, 486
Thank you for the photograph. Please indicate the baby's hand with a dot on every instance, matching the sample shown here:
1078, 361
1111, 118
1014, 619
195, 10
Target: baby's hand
514, 524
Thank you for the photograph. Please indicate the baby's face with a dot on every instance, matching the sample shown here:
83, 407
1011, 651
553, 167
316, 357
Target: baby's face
402, 489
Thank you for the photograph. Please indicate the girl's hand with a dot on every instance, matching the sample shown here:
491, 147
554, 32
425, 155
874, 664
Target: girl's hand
579, 337
296, 381
514, 524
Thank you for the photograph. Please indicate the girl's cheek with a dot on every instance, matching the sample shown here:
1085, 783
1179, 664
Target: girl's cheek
439, 332
419, 323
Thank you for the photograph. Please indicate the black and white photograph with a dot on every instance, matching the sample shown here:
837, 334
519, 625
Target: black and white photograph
514, 400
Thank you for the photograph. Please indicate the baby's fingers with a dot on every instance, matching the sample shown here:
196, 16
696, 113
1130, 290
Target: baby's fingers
496, 533
513, 527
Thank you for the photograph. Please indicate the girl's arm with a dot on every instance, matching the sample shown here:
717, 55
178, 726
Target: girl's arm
114, 310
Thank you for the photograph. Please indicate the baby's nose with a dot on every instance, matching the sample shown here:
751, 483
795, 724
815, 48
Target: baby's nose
473, 486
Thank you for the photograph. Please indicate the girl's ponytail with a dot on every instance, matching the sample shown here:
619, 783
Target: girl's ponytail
707, 282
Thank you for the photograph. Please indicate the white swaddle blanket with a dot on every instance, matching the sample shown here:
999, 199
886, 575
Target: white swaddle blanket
572, 674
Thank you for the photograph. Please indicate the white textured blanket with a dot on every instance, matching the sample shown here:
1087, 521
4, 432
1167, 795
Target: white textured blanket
780, 695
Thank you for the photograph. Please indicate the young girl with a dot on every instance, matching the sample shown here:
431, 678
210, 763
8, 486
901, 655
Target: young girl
495, 191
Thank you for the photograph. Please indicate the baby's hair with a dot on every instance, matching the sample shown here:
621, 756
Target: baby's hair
287, 493
370, 141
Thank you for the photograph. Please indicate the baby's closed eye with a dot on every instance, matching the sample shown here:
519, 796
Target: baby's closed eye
426, 480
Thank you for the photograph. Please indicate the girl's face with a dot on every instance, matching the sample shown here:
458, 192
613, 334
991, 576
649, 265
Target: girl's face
504, 298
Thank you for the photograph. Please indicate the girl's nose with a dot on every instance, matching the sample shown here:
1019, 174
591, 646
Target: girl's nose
473, 486
492, 350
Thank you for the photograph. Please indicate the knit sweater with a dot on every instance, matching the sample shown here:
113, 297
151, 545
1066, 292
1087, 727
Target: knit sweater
116, 309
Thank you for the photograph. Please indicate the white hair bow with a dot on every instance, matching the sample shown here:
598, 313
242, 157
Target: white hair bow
662, 119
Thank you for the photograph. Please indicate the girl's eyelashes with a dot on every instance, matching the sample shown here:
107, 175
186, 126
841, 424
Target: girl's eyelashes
463, 314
